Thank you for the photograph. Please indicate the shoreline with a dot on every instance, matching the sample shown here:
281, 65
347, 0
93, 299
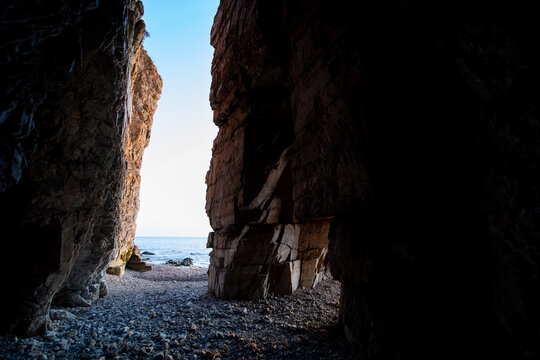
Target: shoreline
166, 313
176, 248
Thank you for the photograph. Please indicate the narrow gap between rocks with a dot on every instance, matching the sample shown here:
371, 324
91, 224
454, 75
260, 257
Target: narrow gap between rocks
167, 313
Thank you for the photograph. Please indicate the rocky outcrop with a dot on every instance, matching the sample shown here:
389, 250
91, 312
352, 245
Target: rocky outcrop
145, 91
251, 260
66, 70
135, 262
258, 243
411, 129
84, 284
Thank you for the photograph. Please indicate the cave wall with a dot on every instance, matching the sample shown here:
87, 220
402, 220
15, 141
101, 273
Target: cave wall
258, 245
411, 129
113, 248
66, 69
401, 137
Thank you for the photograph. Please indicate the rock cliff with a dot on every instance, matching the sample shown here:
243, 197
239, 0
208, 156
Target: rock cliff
65, 105
145, 91
84, 283
259, 245
406, 133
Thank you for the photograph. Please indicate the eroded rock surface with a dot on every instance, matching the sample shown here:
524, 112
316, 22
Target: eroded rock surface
258, 243
82, 286
66, 70
145, 91
410, 127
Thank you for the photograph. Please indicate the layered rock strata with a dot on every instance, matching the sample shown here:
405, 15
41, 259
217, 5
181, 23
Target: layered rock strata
411, 128
136, 262
66, 70
258, 243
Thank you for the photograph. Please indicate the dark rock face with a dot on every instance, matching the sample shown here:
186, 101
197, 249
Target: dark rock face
413, 129
258, 244
65, 69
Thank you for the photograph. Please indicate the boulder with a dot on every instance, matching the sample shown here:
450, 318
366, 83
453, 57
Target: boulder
187, 262
116, 270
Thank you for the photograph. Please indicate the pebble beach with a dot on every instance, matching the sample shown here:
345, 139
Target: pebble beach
166, 313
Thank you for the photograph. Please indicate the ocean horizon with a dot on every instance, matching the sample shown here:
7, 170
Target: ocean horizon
177, 248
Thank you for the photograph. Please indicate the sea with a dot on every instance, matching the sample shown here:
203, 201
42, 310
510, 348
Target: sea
174, 248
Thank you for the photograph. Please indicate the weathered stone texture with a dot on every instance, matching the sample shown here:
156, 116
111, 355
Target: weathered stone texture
146, 87
249, 198
248, 261
66, 73
82, 285
409, 132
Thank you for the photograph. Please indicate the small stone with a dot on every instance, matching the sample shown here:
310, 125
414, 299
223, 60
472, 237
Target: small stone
146, 351
295, 340
36, 355
174, 343
103, 289
50, 335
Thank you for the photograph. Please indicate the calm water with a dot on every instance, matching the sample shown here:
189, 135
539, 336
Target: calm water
175, 248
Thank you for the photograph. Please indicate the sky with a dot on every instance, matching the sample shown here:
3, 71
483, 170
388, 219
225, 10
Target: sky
172, 197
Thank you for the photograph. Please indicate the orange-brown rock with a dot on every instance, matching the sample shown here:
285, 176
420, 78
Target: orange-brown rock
258, 244
145, 91
135, 262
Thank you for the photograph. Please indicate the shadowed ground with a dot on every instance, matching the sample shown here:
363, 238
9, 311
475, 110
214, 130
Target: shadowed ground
166, 313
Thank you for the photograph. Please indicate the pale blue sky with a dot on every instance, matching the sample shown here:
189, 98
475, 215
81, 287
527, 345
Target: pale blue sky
175, 163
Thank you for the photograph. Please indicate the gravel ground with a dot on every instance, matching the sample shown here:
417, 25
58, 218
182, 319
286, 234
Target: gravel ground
166, 313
